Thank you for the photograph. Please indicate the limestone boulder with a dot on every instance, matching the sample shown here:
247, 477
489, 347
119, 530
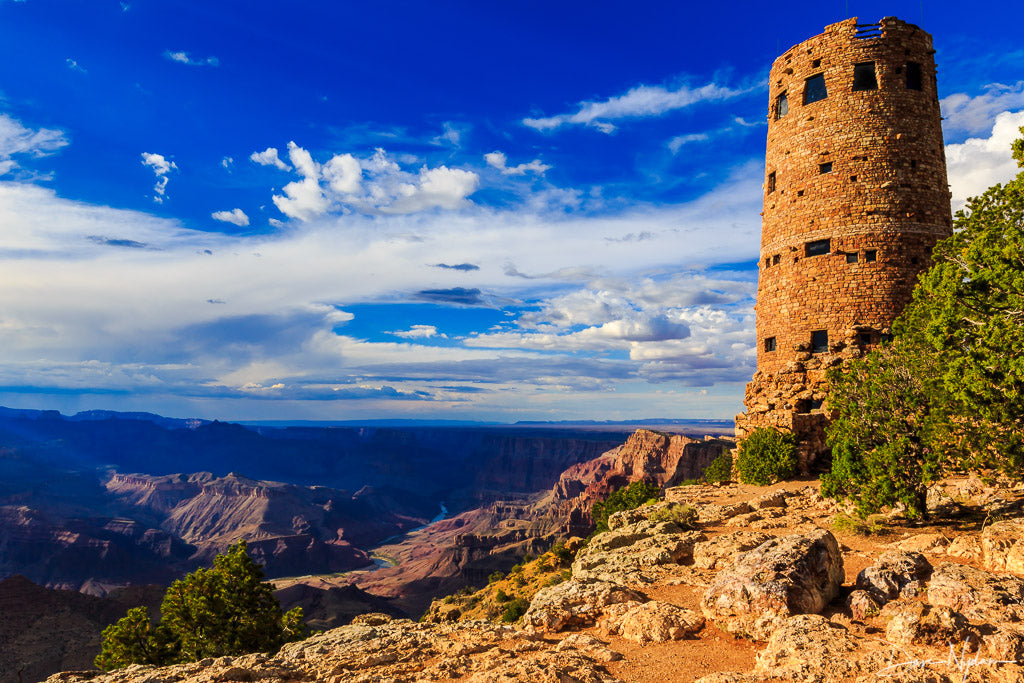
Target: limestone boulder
916, 623
782, 577
652, 622
589, 645
629, 554
977, 594
574, 603
721, 551
1006, 644
808, 647
1002, 546
896, 573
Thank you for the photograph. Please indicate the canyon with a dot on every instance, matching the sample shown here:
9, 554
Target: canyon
344, 519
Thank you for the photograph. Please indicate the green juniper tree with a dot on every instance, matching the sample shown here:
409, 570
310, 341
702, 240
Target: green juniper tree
948, 393
224, 610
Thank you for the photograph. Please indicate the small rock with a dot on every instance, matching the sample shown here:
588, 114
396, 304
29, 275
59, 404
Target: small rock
1006, 644
895, 573
967, 547
1002, 546
978, 594
775, 499
863, 604
920, 624
922, 543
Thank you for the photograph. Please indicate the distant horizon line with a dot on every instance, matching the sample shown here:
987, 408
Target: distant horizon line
100, 414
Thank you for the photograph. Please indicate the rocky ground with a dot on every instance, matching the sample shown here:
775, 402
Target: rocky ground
766, 586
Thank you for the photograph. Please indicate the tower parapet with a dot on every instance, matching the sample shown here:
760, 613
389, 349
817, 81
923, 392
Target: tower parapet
855, 198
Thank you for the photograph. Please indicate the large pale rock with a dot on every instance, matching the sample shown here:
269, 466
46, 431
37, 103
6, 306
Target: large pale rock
808, 647
547, 667
977, 594
713, 514
652, 622
574, 603
721, 551
915, 623
1002, 546
896, 573
798, 574
590, 646
399, 650
627, 554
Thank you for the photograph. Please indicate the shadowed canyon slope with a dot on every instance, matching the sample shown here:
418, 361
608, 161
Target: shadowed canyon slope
101, 500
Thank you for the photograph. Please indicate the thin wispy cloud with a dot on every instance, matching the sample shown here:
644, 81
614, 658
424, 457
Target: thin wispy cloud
182, 57
499, 161
641, 101
16, 139
75, 66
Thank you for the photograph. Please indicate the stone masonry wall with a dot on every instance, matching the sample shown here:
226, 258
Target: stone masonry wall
863, 169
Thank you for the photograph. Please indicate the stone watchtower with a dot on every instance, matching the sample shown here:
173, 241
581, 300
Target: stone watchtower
855, 197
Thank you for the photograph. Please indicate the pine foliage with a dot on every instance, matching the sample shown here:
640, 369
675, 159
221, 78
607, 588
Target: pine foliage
224, 610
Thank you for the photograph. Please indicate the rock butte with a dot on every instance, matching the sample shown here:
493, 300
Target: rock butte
855, 198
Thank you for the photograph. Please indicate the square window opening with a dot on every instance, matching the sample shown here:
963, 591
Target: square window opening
769, 344
851, 257
818, 247
864, 77
776, 259
799, 193
914, 81
864, 338
825, 167
767, 262
853, 179
819, 341
781, 106
816, 63
913, 163
871, 255
814, 89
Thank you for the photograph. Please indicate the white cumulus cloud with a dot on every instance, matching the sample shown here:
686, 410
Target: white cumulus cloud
161, 168
419, 332
376, 185
978, 163
499, 161
236, 216
643, 100
975, 115
269, 157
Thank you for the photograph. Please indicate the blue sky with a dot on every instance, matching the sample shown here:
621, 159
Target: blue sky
492, 211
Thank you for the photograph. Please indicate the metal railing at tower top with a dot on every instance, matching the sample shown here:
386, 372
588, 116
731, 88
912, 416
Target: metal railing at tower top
868, 31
